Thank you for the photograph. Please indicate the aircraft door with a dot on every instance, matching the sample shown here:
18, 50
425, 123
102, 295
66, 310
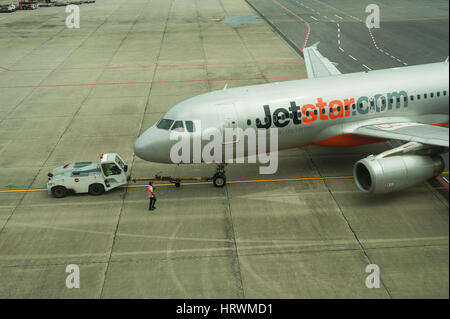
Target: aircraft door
229, 123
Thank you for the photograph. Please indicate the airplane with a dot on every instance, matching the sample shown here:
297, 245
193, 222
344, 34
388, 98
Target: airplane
408, 104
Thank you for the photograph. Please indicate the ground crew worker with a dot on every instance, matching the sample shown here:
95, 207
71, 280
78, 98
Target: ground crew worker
151, 196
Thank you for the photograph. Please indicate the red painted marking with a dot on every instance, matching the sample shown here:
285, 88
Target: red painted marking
306, 23
151, 66
77, 180
144, 82
439, 179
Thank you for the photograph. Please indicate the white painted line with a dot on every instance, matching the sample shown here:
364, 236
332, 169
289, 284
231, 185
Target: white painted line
339, 42
314, 18
352, 57
338, 16
446, 180
366, 67
341, 49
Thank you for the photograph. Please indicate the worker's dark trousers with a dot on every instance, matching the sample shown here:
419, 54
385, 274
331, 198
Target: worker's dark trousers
151, 205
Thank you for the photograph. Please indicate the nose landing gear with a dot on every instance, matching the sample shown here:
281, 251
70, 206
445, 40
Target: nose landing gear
219, 179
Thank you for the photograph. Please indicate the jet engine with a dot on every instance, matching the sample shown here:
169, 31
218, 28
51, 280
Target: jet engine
377, 174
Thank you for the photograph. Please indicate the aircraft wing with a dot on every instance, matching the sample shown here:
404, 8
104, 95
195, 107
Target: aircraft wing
410, 132
316, 64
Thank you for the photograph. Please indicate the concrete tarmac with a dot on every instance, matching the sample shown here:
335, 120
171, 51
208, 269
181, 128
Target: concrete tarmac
70, 94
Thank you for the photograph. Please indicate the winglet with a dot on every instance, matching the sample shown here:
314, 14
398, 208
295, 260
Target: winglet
316, 64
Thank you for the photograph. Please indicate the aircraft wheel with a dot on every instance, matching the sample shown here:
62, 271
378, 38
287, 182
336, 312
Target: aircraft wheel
96, 189
59, 191
219, 180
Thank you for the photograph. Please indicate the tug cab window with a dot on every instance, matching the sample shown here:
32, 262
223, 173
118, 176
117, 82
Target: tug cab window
110, 169
178, 126
164, 124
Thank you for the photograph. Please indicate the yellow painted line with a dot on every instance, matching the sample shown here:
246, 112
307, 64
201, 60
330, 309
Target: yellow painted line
208, 183
201, 183
290, 179
23, 190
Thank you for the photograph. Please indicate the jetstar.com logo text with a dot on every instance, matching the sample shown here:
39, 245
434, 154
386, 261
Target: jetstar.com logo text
335, 109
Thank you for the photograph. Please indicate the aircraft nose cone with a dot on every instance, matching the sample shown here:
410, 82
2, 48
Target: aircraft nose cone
151, 146
142, 148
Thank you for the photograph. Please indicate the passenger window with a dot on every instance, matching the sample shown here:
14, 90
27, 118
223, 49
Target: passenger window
412, 97
164, 124
418, 96
425, 96
248, 123
178, 126
190, 126
438, 93
445, 93
431, 94
405, 99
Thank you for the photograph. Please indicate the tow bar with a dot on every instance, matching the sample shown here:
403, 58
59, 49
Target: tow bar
174, 180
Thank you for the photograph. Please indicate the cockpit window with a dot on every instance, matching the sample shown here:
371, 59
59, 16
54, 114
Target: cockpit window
164, 124
178, 126
190, 126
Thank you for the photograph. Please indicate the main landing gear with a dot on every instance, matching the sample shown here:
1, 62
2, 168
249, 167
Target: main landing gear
219, 179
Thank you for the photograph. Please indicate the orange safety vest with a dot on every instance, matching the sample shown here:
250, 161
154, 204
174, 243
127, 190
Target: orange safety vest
150, 191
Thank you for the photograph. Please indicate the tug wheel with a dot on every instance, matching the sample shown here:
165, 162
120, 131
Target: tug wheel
219, 180
59, 191
96, 189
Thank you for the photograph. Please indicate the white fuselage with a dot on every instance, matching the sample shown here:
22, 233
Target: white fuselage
321, 111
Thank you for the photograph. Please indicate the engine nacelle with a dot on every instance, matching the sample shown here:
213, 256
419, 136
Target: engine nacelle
393, 173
